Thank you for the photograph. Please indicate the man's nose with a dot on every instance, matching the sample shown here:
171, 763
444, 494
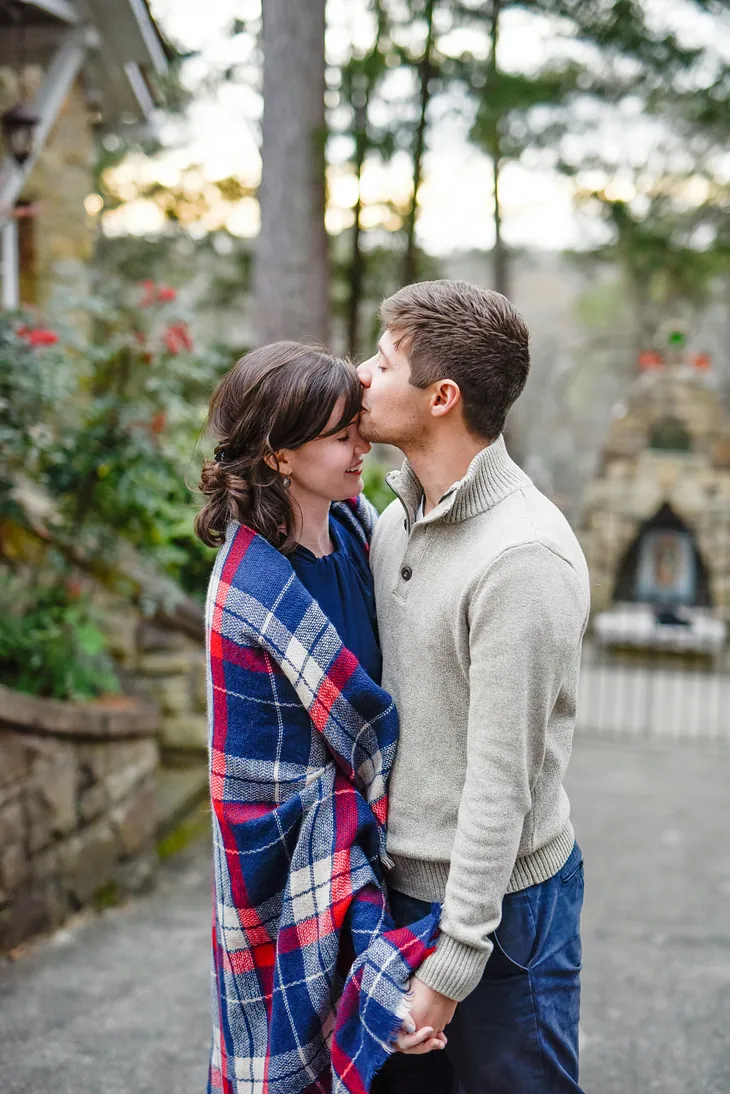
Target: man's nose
364, 372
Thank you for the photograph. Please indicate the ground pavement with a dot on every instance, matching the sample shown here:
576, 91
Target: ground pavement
118, 1004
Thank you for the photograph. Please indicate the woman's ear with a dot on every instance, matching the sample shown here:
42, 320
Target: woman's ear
278, 461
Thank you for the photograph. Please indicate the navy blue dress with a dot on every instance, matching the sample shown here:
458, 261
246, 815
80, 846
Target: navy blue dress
342, 585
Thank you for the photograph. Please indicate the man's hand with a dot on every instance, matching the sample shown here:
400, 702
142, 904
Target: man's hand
429, 1007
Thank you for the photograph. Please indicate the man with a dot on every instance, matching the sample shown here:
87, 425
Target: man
483, 599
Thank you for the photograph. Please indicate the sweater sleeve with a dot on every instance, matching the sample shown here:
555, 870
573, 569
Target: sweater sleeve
526, 618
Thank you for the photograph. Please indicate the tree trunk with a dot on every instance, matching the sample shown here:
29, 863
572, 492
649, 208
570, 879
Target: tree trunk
500, 267
425, 68
291, 276
500, 271
357, 259
356, 276
500, 261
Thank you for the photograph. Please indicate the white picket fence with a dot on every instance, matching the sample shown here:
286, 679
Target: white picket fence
678, 703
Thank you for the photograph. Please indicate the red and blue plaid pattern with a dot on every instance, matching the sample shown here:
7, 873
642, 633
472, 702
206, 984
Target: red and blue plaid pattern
309, 972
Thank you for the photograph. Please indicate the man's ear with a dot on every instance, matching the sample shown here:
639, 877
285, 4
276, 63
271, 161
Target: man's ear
446, 395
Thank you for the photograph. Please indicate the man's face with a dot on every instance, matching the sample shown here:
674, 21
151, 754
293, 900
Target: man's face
394, 411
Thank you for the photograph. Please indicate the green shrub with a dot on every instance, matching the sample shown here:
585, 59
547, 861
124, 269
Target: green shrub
51, 643
107, 425
376, 488
104, 421
36, 381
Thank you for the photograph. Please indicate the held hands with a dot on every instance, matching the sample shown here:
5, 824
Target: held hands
430, 1012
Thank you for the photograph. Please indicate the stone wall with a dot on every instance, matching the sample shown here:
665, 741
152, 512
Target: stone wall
634, 480
161, 664
170, 669
77, 808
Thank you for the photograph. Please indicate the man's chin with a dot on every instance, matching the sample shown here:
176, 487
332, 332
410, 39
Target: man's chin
370, 432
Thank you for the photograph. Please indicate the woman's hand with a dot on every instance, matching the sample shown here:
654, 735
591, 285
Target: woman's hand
419, 1043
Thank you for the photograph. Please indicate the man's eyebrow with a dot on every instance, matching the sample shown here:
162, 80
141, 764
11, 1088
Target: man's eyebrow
384, 354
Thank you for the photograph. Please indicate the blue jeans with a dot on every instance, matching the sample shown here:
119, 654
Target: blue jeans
517, 1033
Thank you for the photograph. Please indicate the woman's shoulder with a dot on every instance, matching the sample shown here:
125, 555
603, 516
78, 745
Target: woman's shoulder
249, 563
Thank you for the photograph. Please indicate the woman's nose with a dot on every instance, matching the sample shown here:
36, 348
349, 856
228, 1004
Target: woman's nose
362, 447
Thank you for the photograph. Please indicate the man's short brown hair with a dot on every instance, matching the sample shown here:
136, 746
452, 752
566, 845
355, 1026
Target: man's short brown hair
458, 331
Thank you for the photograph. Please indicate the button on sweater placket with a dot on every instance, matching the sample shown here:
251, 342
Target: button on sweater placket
415, 548
405, 573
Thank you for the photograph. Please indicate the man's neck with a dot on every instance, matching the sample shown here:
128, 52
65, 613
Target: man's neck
312, 522
441, 463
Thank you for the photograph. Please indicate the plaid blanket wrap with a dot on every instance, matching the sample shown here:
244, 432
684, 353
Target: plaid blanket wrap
309, 972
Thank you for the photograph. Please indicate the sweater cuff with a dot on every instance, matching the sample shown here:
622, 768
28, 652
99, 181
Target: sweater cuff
454, 969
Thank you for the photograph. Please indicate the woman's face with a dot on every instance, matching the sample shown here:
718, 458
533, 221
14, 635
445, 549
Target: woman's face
329, 468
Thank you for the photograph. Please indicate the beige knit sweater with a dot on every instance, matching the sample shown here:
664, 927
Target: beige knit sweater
482, 605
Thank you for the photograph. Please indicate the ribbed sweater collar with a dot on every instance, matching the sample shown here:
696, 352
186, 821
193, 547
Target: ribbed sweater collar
491, 476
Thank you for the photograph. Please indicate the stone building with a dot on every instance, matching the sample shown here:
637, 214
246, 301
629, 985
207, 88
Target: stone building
656, 520
67, 67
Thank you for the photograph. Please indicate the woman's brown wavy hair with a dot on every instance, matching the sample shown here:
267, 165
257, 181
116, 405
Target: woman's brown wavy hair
278, 396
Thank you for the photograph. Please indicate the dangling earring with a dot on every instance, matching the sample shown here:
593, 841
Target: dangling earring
286, 482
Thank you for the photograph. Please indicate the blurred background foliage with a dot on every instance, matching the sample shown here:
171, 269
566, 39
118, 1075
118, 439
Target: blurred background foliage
101, 422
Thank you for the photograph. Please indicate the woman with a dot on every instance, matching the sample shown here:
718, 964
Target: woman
310, 975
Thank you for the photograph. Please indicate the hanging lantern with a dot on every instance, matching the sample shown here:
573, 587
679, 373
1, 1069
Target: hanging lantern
18, 126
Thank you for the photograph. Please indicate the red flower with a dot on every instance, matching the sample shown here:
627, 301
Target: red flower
74, 588
41, 337
156, 294
149, 294
649, 360
158, 422
177, 338
37, 336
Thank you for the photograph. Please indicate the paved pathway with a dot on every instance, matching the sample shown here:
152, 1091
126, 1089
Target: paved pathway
119, 1004
653, 821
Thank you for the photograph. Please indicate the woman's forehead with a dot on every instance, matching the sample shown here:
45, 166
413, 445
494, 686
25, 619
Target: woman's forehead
336, 416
